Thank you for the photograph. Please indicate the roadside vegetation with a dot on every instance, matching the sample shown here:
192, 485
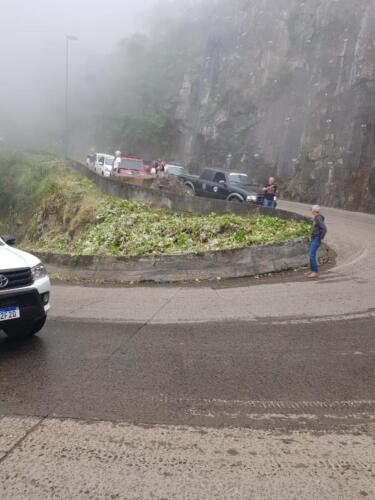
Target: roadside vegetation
25, 180
50, 208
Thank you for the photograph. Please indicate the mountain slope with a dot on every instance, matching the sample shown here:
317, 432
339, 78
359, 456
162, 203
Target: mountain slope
286, 87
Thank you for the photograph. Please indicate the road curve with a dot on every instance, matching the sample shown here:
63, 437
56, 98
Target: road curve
194, 392
345, 292
286, 355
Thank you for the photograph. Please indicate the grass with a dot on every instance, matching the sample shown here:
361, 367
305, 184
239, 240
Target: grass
25, 180
61, 212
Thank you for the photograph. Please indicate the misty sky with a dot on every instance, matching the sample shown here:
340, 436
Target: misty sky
32, 42
96, 22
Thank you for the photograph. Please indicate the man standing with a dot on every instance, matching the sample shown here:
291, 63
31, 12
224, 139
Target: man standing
318, 232
270, 191
116, 163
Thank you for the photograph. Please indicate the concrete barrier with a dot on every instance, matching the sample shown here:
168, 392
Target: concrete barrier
176, 203
236, 263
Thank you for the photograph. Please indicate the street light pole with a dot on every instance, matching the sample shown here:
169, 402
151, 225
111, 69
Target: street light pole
66, 125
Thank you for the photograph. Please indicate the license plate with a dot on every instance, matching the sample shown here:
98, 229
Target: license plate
9, 313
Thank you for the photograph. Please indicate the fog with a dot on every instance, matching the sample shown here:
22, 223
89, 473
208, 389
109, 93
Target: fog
32, 55
282, 85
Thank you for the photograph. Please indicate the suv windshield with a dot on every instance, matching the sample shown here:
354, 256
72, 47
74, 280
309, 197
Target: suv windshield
131, 164
239, 179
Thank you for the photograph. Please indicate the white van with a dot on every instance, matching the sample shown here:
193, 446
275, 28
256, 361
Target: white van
100, 163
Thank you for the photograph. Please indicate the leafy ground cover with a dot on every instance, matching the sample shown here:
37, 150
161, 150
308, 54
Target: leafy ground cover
129, 228
25, 180
59, 211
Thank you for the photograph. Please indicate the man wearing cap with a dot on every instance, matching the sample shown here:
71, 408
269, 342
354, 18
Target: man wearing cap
318, 232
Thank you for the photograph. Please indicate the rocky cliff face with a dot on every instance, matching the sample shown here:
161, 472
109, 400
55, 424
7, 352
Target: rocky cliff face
287, 87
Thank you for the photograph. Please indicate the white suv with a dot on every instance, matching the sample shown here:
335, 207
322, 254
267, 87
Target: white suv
24, 291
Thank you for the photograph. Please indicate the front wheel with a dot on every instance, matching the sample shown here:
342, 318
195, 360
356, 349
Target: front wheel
25, 331
235, 199
189, 190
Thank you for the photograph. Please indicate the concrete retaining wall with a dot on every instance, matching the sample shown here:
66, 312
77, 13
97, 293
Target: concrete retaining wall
225, 264
191, 204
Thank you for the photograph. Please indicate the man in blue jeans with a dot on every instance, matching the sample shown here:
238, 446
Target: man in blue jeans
270, 191
318, 232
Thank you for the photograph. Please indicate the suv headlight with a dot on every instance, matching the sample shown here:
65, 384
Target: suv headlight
38, 271
252, 197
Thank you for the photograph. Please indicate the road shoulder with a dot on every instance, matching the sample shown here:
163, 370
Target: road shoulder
75, 459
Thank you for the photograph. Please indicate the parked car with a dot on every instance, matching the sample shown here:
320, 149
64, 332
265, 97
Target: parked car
104, 164
176, 170
222, 185
100, 163
131, 166
24, 291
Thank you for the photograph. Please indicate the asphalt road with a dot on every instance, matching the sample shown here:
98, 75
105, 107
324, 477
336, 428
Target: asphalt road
288, 354
347, 289
258, 375
271, 387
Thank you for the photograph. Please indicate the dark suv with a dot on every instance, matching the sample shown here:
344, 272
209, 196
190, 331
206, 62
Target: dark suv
229, 186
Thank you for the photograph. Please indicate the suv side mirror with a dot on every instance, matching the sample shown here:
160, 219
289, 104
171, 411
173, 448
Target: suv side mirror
8, 239
222, 182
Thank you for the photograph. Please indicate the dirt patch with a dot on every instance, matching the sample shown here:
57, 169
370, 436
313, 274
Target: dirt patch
170, 184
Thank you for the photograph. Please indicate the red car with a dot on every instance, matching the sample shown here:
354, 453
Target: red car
131, 166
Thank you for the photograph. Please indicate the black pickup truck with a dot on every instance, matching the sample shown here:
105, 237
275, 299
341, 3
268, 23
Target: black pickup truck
221, 185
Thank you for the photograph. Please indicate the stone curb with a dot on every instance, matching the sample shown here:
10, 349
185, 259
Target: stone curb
237, 263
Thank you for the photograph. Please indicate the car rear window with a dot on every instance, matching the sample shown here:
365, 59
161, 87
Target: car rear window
130, 164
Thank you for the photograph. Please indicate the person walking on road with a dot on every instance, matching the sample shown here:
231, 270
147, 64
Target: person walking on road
318, 233
270, 191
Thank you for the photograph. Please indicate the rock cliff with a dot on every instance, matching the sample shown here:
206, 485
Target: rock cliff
286, 87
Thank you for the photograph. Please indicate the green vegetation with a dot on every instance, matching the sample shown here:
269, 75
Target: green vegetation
130, 228
25, 180
59, 211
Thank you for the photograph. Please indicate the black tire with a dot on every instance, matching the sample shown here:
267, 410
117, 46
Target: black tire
26, 331
190, 190
235, 199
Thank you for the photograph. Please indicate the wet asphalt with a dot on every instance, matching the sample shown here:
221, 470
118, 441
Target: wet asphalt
312, 376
